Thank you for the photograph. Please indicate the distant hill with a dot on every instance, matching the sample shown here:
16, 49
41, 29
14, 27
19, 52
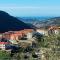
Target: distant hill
43, 22
35, 22
10, 23
54, 21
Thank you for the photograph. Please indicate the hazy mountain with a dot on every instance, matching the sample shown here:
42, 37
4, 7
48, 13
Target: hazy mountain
10, 23
32, 19
42, 22
35, 21
54, 21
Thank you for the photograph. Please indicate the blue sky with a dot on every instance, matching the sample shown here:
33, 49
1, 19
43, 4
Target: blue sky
31, 7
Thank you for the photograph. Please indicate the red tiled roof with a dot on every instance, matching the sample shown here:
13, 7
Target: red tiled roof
4, 43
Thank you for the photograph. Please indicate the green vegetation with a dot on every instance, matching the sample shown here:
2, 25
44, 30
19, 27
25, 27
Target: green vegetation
4, 55
49, 47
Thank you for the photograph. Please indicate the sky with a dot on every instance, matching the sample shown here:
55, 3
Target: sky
31, 7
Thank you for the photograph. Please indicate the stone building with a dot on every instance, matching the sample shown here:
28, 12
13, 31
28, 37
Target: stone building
54, 30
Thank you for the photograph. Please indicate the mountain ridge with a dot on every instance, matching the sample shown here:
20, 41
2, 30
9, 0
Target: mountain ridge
10, 23
51, 21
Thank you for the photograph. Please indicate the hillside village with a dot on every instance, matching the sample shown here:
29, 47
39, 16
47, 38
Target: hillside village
27, 37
